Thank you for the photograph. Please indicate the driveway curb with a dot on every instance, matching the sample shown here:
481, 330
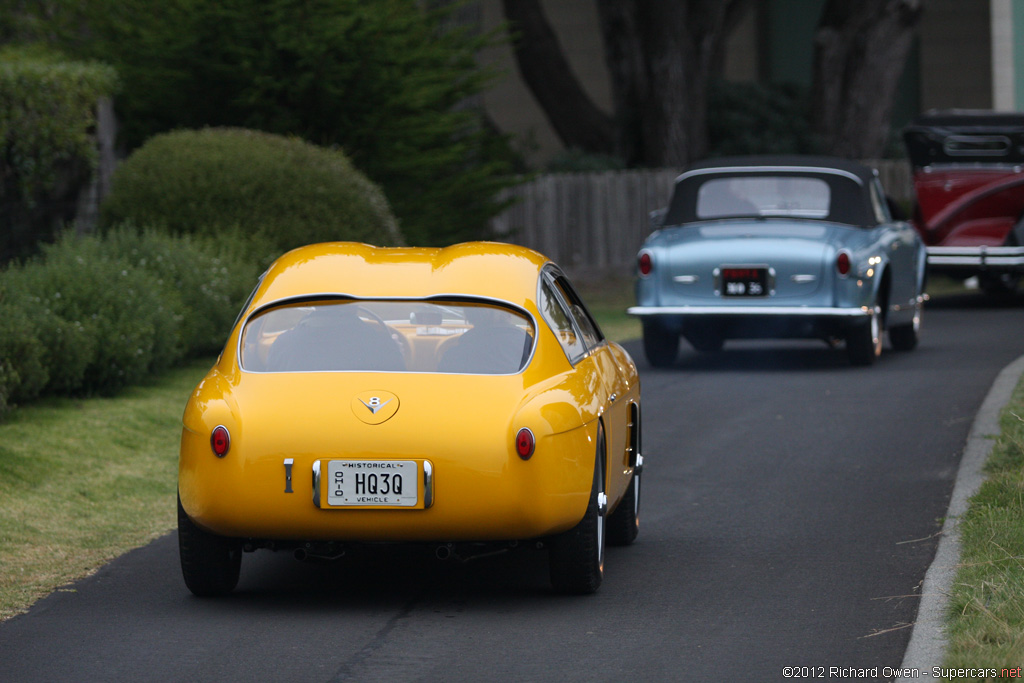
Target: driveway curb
928, 639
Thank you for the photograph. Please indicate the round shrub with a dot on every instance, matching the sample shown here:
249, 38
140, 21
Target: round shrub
282, 191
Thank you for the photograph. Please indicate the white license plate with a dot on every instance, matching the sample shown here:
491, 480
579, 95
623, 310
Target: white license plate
372, 483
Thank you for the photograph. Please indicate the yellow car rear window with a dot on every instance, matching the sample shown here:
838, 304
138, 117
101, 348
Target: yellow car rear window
460, 337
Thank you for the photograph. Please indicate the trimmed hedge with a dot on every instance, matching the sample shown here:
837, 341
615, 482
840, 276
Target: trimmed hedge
281, 192
47, 150
94, 314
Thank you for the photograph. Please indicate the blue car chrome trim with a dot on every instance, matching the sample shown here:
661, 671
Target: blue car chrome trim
750, 310
771, 169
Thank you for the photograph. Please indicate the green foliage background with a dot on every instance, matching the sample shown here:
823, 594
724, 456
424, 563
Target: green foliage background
385, 80
756, 118
47, 112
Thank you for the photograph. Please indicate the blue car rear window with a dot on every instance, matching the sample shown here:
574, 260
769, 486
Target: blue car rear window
766, 195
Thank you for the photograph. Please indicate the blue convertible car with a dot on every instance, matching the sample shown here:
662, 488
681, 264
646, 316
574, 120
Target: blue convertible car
779, 247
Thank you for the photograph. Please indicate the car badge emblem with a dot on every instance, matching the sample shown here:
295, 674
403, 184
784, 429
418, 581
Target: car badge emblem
374, 404
375, 407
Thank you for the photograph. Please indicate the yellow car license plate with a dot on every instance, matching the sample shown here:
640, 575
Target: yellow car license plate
371, 483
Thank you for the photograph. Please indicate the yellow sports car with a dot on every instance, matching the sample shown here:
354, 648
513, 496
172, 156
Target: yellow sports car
461, 397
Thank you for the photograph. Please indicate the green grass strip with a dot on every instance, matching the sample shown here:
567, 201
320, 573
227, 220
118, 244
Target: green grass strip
83, 481
607, 300
986, 617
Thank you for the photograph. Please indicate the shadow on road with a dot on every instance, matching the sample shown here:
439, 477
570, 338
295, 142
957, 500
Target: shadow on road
976, 300
386, 574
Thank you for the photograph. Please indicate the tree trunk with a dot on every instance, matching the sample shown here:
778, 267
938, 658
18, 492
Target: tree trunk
860, 50
578, 122
660, 55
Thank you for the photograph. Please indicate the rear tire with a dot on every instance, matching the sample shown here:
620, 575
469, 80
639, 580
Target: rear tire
705, 341
210, 564
864, 341
660, 346
576, 559
905, 337
1001, 286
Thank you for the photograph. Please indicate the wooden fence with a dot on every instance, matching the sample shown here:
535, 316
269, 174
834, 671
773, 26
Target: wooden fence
594, 223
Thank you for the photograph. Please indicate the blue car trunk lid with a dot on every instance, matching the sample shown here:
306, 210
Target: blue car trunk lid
798, 256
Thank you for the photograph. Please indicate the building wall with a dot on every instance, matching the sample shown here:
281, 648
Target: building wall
1007, 20
1017, 48
956, 55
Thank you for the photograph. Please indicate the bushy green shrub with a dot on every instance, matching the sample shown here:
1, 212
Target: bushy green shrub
47, 151
93, 314
755, 118
23, 372
210, 277
8, 380
115, 325
282, 191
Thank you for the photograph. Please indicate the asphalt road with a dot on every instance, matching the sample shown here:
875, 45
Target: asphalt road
790, 510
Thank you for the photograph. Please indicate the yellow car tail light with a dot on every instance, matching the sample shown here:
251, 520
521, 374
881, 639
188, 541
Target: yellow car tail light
220, 441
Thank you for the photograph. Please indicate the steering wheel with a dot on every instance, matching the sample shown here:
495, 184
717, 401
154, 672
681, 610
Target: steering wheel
397, 337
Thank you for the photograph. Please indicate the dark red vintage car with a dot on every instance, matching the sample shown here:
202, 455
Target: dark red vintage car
969, 179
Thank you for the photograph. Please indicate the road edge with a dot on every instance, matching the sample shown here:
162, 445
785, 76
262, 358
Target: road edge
928, 640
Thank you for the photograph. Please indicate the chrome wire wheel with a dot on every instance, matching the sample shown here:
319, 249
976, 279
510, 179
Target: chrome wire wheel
576, 557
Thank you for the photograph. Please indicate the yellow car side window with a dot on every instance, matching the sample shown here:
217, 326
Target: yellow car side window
561, 323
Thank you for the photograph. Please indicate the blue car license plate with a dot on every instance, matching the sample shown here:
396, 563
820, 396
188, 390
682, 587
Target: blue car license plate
744, 281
